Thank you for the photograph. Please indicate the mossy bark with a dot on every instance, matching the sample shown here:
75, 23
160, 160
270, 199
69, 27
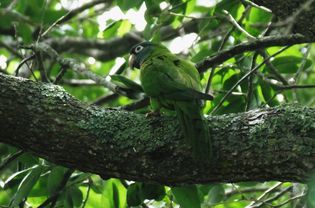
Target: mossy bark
265, 144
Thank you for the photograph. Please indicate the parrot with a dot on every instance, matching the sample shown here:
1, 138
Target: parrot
173, 83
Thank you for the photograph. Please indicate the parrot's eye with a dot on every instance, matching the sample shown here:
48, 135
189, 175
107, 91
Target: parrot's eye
138, 48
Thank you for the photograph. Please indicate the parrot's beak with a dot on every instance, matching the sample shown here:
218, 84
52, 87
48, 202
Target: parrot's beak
131, 60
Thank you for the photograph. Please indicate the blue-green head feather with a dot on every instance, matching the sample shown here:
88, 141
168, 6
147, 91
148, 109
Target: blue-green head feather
142, 51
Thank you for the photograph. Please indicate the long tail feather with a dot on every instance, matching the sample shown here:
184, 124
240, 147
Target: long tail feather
196, 132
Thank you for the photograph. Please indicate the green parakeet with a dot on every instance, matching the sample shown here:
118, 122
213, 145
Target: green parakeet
174, 83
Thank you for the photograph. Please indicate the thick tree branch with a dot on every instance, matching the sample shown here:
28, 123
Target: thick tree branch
266, 144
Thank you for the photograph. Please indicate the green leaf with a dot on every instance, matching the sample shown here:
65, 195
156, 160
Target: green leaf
204, 189
153, 8
178, 6
125, 5
257, 16
203, 53
288, 64
124, 28
114, 193
204, 26
134, 197
187, 196
268, 93
190, 6
311, 192
229, 80
90, 30
39, 190
111, 30
76, 196
233, 104
24, 31
152, 191
5, 3
28, 160
18, 175
215, 195
52, 16
26, 186
54, 178
231, 6
68, 202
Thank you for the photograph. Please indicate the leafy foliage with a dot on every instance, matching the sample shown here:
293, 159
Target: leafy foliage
82, 32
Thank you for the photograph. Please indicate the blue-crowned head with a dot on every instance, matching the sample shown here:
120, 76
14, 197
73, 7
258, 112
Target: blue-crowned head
142, 51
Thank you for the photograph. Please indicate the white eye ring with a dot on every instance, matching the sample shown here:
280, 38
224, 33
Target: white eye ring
138, 48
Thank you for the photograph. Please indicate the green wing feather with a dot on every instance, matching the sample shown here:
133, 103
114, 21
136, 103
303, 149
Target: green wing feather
176, 82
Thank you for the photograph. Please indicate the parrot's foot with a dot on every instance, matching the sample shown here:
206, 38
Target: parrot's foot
153, 114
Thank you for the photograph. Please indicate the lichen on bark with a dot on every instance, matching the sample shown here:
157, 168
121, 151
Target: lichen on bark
264, 144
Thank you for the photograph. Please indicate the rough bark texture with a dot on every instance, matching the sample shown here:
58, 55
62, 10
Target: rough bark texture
265, 144
303, 21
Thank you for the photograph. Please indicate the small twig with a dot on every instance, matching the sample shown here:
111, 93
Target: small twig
281, 87
273, 69
53, 198
301, 68
256, 6
246, 190
136, 105
273, 198
58, 21
233, 93
290, 87
292, 18
80, 9
41, 67
196, 18
228, 34
289, 200
105, 99
79, 82
245, 77
237, 26
22, 63
271, 189
60, 75
250, 83
11, 159
87, 192
211, 75
72, 13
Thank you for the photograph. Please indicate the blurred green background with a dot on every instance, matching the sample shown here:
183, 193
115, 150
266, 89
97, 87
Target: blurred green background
100, 34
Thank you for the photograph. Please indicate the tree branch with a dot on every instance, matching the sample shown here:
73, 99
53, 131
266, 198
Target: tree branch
261, 145
261, 43
295, 14
103, 49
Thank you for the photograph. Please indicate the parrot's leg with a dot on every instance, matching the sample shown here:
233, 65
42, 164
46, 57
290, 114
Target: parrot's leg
156, 107
153, 114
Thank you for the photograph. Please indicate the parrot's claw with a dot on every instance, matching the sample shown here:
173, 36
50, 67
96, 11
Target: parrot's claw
153, 114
